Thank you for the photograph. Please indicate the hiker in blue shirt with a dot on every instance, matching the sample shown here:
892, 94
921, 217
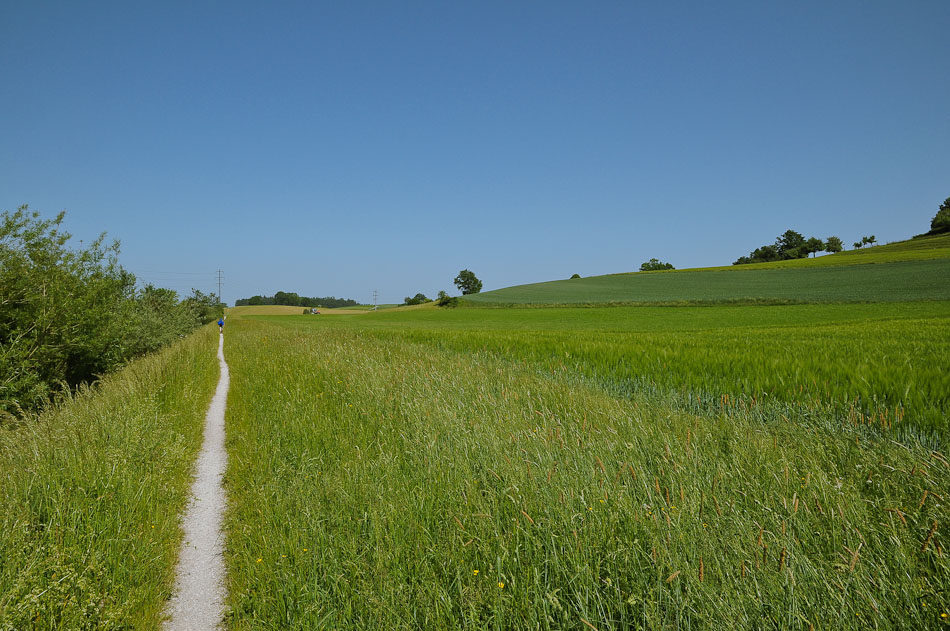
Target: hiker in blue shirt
221, 325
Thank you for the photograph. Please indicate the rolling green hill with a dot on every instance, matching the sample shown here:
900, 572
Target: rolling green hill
918, 269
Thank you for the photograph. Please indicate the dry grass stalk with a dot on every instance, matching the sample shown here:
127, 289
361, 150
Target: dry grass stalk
589, 624
600, 464
781, 560
716, 505
672, 576
701, 569
854, 556
930, 535
528, 517
898, 512
923, 499
742, 569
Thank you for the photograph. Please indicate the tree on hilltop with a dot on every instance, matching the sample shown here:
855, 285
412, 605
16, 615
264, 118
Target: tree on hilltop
814, 245
941, 221
467, 282
791, 245
833, 244
654, 265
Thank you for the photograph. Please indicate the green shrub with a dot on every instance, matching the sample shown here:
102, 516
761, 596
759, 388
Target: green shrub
67, 316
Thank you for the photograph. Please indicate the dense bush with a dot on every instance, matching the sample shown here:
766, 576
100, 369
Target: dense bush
418, 299
654, 265
67, 316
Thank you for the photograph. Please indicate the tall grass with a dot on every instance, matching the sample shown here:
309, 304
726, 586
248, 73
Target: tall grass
378, 482
882, 365
91, 491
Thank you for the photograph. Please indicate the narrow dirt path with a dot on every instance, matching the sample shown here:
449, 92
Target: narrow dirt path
198, 602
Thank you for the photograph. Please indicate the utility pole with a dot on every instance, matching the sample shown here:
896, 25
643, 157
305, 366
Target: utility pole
375, 293
220, 279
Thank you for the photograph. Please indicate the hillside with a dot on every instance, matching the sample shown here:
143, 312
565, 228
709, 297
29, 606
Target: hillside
917, 269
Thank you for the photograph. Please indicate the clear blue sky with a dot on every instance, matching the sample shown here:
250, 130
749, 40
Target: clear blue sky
340, 147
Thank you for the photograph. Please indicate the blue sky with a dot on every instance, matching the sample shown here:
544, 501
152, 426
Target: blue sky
337, 148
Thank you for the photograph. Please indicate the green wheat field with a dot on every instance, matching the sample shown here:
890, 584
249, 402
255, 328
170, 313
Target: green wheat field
701, 455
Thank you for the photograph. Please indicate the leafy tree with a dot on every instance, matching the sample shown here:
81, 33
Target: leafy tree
573, 276
255, 300
467, 282
941, 221
204, 307
791, 245
868, 240
655, 265
833, 244
813, 245
287, 298
418, 299
858, 244
67, 316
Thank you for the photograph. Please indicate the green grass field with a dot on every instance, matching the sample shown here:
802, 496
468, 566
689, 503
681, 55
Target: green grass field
880, 364
383, 479
883, 282
919, 249
905, 271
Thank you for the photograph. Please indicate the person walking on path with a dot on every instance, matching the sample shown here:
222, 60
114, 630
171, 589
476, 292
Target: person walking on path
221, 325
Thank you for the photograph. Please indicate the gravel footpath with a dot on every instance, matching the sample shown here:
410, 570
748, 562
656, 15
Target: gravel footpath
198, 603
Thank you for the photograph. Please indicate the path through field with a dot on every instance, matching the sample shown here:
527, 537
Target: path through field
198, 602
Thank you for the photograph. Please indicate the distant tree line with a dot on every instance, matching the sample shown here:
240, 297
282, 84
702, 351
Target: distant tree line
68, 316
791, 245
292, 299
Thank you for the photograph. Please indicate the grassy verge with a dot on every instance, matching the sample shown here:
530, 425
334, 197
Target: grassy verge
90, 495
377, 482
